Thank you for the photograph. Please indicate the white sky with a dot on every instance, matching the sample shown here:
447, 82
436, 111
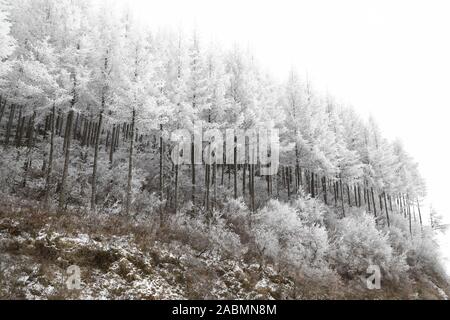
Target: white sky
390, 59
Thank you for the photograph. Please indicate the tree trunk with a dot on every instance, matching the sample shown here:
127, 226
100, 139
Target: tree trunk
19, 123
324, 187
387, 213
161, 174
342, 197
2, 109
244, 170
130, 166
335, 193
20, 132
193, 172
297, 166
348, 196
420, 215
94, 171
277, 184
373, 202
253, 187
207, 184
75, 127
12, 109
313, 195
62, 195
406, 206
176, 188
61, 122
50, 158
117, 139
112, 146
288, 183
215, 184
58, 119
235, 168
380, 198
89, 133
400, 202
409, 217
29, 147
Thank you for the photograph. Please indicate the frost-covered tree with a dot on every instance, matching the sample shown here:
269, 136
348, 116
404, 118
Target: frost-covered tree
7, 42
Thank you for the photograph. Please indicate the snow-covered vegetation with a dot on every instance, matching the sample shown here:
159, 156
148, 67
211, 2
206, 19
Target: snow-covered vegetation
88, 101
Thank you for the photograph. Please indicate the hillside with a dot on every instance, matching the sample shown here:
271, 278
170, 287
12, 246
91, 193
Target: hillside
122, 259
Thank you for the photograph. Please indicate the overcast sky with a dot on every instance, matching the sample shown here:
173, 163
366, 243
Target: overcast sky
390, 59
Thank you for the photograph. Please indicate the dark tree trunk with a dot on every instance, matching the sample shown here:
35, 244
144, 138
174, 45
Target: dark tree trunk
62, 195
176, 188
373, 202
61, 123
297, 167
58, 119
94, 170
89, 134
20, 132
324, 186
409, 217
113, 143
193, 172
359, 195
342, 197
215, 184
161, 174
48, 179
288, 182
117, 139
253, 187
387, 213
130, 166
313, 194
380, 198
75, 127
207, 185
235, 168
29, 147
244, 170
420, 215
335, 193
348, 196
19, 123
2, 108
12, 109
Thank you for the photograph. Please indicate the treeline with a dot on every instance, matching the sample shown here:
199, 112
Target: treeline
95, 133
89, 73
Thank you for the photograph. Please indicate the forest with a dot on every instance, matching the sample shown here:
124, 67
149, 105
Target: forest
90, 99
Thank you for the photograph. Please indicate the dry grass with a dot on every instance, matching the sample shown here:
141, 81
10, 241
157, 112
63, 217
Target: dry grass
194, 273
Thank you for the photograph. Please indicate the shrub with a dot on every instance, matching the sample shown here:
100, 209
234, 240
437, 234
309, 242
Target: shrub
358, 244
206, 233
283, 235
